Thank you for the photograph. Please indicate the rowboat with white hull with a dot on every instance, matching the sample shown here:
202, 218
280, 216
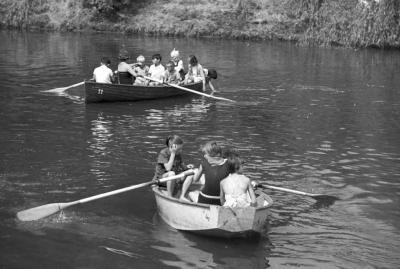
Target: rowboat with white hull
212, 219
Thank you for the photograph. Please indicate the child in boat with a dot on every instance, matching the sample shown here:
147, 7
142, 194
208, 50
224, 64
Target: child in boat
141, 70
214, 168
169, 162
195, 72
126, 74
178, 63
156, 70
236, 189
210, 74
103, 73
171, 75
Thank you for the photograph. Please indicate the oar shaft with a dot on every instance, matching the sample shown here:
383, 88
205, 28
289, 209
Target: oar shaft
188, 90
103, 195
286, 190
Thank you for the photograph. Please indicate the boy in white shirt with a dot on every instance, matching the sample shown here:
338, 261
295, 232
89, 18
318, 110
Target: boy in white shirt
103, 74
156, 70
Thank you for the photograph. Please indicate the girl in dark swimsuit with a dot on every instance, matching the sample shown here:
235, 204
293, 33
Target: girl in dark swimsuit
215, 169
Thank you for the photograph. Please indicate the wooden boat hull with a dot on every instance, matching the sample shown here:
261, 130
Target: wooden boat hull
101, 92
213, 220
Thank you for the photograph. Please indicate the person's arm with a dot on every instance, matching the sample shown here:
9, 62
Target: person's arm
170, 163
211, 86
180, 65
131, 71
111, 74
165, 78
221, 194
252, 194
197, 176
203, 78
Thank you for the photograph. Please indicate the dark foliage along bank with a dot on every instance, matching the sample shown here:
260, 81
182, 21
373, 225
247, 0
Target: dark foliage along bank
350, 23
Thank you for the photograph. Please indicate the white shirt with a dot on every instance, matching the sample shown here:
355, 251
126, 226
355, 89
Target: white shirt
103, 74
157, 72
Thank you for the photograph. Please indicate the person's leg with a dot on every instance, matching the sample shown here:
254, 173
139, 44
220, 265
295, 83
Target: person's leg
170, 183
186, 184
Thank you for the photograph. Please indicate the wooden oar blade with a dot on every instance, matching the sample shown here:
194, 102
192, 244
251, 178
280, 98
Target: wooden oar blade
40, 211
59, 90
325, 197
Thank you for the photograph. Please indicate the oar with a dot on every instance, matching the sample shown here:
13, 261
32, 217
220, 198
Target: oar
313, 195
188, 90
49, 209
59, 90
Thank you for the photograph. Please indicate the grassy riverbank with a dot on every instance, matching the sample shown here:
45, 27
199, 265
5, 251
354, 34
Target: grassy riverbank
350, 23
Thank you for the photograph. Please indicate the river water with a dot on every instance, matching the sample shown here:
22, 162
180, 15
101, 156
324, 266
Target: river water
316, 120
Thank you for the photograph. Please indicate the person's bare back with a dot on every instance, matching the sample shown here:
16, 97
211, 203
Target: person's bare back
236, 191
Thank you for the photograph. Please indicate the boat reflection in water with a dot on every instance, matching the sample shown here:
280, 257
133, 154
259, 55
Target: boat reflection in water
187, 250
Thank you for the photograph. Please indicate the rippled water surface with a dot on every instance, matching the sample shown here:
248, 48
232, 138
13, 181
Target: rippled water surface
315, 120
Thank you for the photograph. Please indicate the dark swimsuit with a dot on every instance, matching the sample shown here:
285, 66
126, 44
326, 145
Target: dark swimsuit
125, 78
213, 175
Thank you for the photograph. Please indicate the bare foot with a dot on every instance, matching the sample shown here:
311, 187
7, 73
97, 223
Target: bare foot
182, 198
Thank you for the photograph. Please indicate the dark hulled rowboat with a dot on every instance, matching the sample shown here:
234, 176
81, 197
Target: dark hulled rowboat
101, 92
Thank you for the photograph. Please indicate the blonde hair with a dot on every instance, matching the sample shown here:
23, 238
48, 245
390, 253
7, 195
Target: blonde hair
140, 58
174, 53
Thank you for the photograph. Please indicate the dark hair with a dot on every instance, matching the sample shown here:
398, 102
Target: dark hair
123, 55
105, 60
212, 149
212, 73
234, 163
193, 60
156, 56
229, 152
173, 139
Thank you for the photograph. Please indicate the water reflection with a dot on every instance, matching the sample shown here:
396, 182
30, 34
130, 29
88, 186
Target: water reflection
116, 128
192, 251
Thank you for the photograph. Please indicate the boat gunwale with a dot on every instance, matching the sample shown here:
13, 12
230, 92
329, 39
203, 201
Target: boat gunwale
156, 190
140, 86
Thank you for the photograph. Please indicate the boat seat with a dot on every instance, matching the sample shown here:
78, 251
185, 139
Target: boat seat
125, 78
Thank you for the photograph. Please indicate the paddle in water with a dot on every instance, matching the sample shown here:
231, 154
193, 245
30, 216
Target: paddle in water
59, 90
318, 197
49, 209
188, 90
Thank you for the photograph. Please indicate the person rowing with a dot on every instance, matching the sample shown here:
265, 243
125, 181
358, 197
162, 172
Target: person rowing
141, 70
169, 163
126, 74
103, 73
214, 168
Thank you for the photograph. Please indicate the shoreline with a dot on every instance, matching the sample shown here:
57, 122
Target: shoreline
321, 24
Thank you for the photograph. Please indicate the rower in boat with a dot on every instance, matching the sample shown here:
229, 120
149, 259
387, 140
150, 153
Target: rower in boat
141, 70
156, 70
214, 168
178, 63
171, 75
126, 74
195, 72
103, 73
169, 163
